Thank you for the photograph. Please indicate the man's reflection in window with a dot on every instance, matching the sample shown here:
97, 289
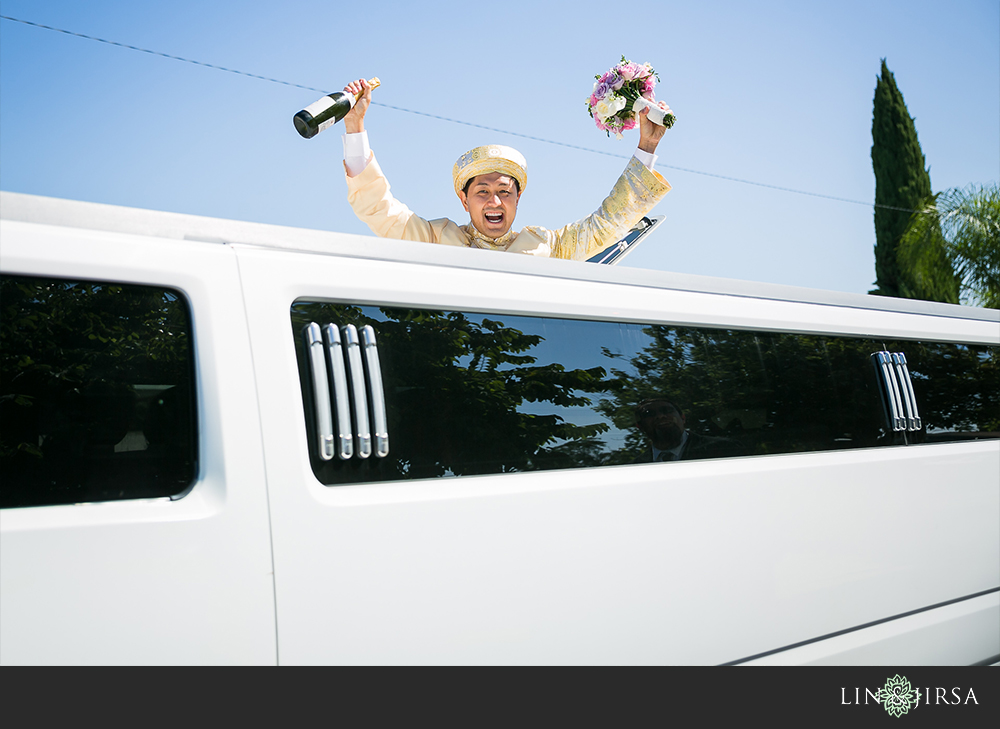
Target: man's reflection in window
664, 424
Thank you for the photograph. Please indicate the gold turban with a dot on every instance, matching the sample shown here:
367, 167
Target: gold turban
490, 158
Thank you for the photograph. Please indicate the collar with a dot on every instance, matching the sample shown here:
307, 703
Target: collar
676, 450
478, 240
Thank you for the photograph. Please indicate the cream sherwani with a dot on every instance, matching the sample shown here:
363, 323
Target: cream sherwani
633, 196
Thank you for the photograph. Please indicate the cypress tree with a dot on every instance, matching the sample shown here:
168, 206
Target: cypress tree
901, 180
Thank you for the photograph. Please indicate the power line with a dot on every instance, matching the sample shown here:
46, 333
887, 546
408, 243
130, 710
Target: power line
158, 53
459, 121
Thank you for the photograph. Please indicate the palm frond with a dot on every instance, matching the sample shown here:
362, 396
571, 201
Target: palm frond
951, 248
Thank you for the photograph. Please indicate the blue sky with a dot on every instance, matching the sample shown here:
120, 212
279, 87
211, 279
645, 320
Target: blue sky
778, 93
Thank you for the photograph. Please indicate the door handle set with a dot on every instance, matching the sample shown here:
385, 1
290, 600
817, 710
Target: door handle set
897, 390
348, 396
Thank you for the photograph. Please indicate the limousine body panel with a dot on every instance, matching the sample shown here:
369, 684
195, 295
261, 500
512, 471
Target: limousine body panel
151, 581
700, 562
866, 555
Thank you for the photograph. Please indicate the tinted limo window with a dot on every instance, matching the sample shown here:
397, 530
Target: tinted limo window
469, 393
96, 392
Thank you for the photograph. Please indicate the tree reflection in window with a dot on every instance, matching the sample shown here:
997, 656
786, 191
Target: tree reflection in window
772, 393
465, 394
97, 392
476, 394
958, 388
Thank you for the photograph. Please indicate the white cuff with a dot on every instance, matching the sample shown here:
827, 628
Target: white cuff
357, 153
646, 158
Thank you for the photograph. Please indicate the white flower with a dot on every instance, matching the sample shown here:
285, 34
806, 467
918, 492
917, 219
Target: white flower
609, 106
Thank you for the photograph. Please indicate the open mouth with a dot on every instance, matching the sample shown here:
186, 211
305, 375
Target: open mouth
493, 218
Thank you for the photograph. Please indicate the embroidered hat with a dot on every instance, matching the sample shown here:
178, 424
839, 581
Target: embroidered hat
490, 158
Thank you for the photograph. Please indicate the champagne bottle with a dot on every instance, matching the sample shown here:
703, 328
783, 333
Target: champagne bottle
327, 111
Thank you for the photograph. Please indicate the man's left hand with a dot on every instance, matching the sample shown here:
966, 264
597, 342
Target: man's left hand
650, 134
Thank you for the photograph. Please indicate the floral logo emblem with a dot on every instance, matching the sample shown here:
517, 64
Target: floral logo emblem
898, 696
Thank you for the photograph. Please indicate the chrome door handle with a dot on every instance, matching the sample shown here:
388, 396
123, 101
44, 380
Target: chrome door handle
344, 441
359, 398
379, 424
321, 391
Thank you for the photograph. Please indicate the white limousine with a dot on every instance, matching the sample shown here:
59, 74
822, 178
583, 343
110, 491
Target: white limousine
233, 443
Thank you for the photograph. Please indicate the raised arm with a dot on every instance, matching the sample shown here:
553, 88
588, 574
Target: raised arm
368, 191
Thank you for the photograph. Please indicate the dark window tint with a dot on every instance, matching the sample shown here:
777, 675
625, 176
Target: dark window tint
959, 388
96, 392
472, 393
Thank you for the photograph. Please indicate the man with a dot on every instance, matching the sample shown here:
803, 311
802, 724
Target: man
665, 425
489, 181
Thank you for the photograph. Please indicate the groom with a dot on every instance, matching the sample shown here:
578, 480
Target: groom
489, 181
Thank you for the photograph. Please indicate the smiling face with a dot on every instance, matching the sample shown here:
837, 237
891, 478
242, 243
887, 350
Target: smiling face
491, 201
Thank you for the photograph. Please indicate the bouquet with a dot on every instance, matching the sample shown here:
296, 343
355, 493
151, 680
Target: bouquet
621, 93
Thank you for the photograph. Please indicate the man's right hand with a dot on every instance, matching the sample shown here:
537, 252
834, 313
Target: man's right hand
354, 122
